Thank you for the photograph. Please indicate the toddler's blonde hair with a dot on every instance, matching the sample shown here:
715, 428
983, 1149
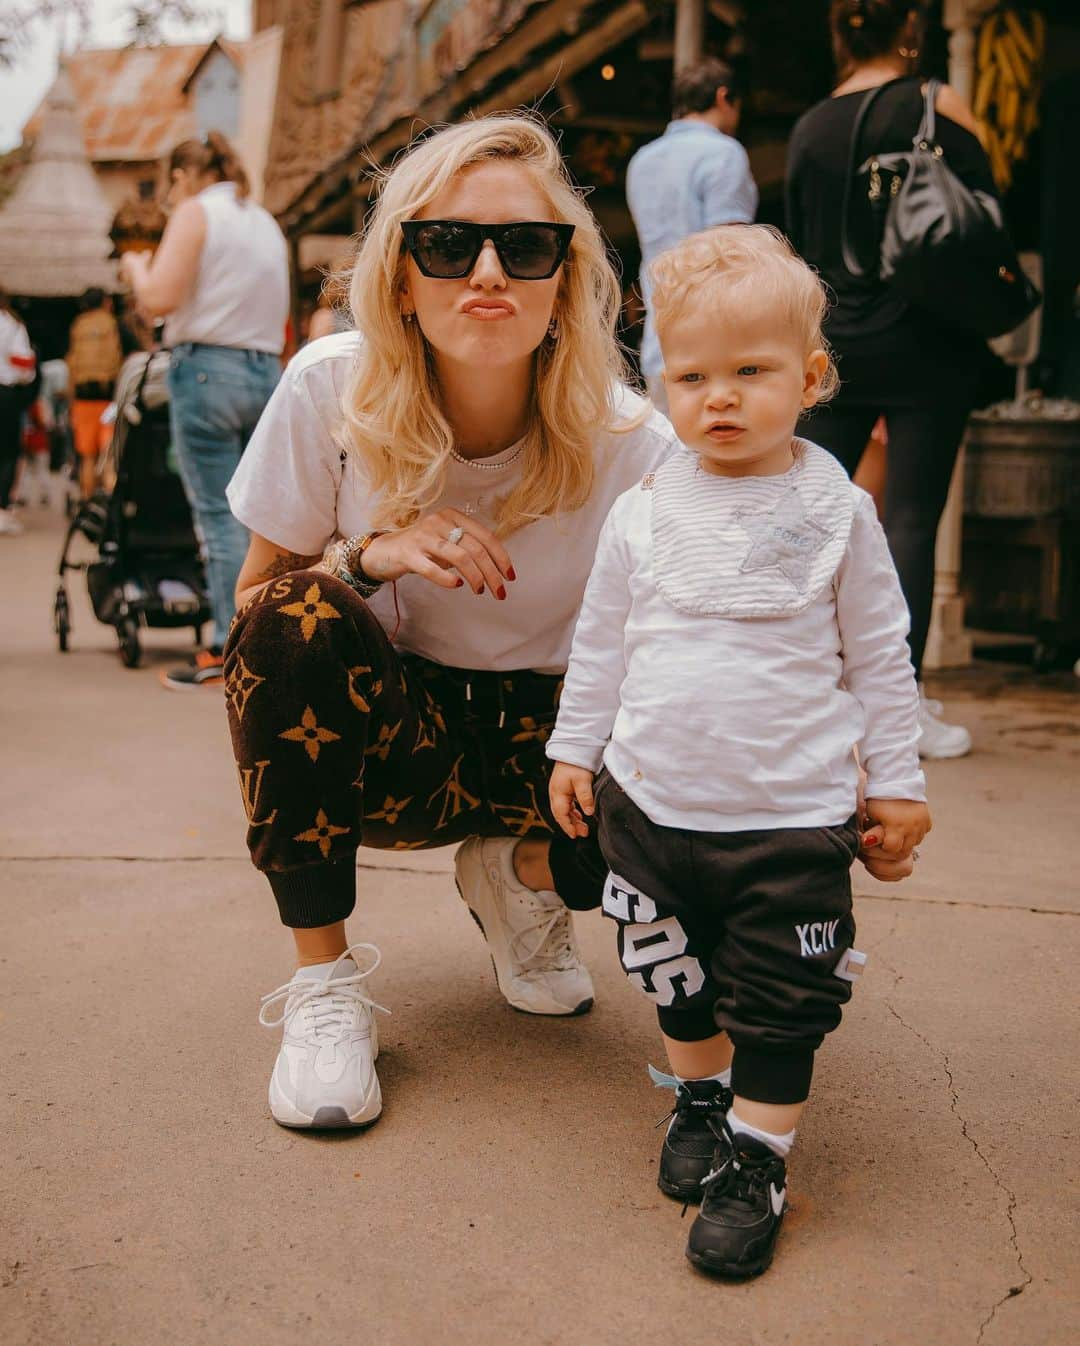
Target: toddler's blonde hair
749, 264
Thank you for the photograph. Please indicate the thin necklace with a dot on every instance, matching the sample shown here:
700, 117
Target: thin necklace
488, 467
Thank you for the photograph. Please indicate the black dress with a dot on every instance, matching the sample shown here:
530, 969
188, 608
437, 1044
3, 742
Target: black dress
895, 360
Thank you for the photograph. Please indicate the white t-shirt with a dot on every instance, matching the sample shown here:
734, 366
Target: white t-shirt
240, 297
16, 355
720, 724
293, 489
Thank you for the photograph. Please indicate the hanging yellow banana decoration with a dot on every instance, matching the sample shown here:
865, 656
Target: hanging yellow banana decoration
1008, 85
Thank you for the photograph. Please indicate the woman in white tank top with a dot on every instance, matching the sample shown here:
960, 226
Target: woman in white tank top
221, 281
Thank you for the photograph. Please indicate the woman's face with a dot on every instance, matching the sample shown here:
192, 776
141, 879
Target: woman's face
485, 319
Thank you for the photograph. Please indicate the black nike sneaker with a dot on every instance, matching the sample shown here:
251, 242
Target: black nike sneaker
743, 1206
696, 1128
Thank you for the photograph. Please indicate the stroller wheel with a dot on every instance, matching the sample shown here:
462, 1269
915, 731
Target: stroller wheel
61, 618
127, 633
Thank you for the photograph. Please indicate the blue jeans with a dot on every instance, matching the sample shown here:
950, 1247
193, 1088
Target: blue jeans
216, 395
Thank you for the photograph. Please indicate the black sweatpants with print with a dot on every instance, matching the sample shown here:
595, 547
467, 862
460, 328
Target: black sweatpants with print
747, 933
341, 742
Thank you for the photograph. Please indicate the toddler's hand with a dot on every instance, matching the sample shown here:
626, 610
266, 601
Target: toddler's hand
894, 827
570, 790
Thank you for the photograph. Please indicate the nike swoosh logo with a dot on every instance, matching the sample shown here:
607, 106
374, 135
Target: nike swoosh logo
776, 1199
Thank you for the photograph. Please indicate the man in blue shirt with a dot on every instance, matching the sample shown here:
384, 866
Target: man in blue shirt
694, 176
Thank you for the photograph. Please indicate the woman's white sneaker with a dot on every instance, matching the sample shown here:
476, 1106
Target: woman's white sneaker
936, 738
324, 1075
530, 934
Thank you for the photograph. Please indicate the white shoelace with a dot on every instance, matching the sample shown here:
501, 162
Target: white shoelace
551, 925
327, 1005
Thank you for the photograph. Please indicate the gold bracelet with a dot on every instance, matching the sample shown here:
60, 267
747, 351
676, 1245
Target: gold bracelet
350, 567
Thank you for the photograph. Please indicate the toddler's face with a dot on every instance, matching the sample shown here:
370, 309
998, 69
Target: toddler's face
736, 384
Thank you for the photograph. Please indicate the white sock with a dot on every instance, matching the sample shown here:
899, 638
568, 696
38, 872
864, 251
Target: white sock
317, 971
780, 1145
722, 1077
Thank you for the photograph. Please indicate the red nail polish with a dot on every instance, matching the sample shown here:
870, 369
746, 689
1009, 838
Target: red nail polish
510, 575
502, 594
458, 582
480, 590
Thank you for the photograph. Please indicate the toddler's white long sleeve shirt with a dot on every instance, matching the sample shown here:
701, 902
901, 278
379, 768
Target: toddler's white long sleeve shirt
715, 723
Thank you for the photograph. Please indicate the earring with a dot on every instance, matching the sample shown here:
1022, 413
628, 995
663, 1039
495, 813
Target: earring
553, 329
408, 316
909, 53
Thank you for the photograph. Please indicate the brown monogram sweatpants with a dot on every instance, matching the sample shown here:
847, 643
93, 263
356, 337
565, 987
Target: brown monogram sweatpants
341, 742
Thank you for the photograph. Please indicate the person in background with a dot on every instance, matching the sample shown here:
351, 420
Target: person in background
895, 361
93, 359
18, 368
329, 316
694, 176
33, 486
221, 280
55, 384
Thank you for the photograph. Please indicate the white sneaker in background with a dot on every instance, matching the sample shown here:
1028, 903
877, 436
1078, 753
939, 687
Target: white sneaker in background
936, 738
9, 524
530, 935
325, 1072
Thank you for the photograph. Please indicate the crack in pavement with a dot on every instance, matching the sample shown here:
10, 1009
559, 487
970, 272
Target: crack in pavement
971, 906
954, 1106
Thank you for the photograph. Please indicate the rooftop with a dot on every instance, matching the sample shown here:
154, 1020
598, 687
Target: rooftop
131, 101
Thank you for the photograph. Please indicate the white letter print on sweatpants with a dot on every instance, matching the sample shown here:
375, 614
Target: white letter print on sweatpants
652, 951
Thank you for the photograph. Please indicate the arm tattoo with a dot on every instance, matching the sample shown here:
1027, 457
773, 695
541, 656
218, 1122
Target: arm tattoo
284, 565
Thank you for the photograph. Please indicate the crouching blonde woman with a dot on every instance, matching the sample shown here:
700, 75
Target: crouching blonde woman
461, 449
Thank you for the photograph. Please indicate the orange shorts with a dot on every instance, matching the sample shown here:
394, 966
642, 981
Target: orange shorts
89, 434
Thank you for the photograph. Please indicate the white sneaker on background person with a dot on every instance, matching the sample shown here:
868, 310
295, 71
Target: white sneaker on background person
324, 1075
9, 525
530, 934
936, 738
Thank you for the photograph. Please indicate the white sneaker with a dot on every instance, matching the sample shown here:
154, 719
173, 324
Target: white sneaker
9, 524
530, 935
936, 738
325, 1072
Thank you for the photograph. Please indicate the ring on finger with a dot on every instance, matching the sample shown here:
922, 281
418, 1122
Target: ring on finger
455, 535
914, 854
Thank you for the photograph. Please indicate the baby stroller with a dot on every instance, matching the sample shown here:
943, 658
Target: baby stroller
148, 571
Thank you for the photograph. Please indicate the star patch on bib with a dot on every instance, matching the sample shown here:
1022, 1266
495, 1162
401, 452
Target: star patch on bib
783, 538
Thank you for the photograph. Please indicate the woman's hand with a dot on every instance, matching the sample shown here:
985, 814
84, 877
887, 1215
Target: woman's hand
163, 282
478, 558
570, 791
133, 264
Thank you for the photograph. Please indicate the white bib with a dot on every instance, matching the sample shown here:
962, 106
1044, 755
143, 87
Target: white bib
717, 553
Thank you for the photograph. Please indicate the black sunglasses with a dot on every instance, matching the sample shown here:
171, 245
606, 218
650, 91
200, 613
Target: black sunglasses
448, 249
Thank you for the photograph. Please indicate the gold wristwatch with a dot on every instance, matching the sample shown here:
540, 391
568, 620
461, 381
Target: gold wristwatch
350, 567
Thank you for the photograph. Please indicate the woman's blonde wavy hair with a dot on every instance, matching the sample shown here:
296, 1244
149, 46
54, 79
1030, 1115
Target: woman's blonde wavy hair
394, 423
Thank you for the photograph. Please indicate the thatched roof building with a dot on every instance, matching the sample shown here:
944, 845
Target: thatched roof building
54, 228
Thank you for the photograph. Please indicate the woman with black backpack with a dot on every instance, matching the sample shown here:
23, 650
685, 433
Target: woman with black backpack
896, 359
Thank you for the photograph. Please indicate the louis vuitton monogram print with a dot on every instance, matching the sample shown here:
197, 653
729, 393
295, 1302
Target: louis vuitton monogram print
240, 685
251, 779
310, 733
311, 610
321, 833
341, 741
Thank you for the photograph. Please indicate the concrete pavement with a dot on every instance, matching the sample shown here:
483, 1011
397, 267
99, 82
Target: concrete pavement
507, 1194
